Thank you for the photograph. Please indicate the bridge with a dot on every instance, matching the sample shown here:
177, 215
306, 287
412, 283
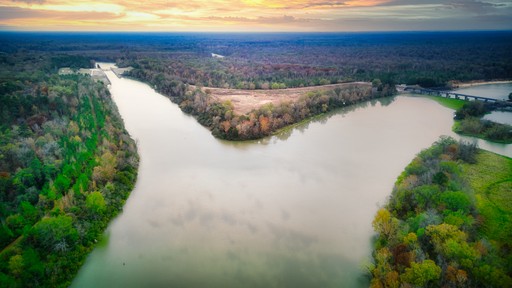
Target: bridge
454, 95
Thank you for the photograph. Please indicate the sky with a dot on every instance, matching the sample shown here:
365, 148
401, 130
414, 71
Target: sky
255, 15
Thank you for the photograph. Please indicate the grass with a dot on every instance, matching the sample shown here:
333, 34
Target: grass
491, 180
451, 103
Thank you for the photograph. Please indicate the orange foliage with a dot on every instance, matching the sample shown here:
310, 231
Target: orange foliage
225, 125
264, 124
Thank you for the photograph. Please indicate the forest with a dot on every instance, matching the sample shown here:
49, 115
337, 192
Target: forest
67, 166
182, 65
293, 59
448, 221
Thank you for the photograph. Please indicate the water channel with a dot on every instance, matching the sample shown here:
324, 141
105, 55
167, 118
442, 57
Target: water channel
292, 210
497, 91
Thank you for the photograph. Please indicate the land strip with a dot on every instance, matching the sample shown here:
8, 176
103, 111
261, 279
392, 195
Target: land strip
245, 101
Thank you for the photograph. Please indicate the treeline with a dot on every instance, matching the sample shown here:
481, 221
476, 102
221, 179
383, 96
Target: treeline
258, 61
67, 166
433, 233
267, 61
469, 122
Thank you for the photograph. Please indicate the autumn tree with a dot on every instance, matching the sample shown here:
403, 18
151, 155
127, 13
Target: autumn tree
385, 224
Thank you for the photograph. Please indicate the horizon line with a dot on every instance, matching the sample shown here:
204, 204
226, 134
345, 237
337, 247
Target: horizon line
249, 32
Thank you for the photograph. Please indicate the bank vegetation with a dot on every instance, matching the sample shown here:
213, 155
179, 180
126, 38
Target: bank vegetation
66, 167
448, 222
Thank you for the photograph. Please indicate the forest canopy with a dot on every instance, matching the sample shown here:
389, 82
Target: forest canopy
442, 226
66, 167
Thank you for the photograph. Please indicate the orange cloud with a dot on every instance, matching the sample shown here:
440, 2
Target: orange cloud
249, 15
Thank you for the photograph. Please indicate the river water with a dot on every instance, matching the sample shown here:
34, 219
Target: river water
497, 91
292, 210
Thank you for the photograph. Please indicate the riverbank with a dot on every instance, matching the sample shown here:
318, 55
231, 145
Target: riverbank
59, 196
474, 125
429, 226
478, 83
251, 214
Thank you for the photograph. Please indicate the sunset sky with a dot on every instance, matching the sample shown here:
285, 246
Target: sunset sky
254, 15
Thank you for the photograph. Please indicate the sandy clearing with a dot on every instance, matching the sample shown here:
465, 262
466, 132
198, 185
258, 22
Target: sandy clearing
244, 101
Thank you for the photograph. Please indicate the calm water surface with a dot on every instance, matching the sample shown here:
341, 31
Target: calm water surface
293, 210
500, 117
496, 91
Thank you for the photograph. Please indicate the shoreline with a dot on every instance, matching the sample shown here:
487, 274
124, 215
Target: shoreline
478, 83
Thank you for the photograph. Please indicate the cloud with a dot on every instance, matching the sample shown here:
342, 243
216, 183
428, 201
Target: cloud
474, 6
261, 20
318, 4
17, 13
9, 13
257, 15
30, 1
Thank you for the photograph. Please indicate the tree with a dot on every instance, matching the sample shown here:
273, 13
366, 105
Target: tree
420, 274
106, 170
50, 233
16, 264
95, 202
440, 178
385, 224
456, 201
62, 184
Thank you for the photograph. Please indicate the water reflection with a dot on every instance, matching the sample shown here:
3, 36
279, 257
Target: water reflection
292, 210
284, 134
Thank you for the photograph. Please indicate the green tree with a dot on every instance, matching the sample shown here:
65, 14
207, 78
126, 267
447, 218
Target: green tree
456, 201
95, 202
54, 233
420, 274
16, 265
61, 184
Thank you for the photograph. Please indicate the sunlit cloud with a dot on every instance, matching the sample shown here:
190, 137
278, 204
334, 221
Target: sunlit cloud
254, 15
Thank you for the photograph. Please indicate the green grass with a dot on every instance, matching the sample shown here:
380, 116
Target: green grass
454, 104
491, 180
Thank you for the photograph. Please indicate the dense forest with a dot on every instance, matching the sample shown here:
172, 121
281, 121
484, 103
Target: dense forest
296, 60
448, 221
277, 61
182, 65
66, 167
266, 60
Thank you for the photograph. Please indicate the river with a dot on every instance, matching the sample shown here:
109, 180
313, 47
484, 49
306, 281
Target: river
497, 91
292, 210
